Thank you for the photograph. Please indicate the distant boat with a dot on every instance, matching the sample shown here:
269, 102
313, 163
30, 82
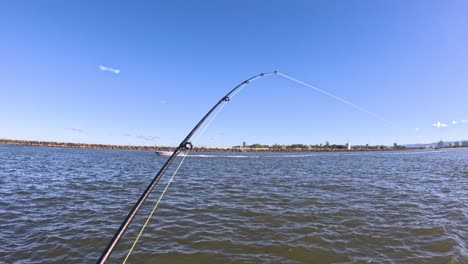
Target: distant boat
168, 153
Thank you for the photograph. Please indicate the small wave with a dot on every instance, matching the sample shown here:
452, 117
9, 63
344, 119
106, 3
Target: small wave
262, 156
224, 156
415, 152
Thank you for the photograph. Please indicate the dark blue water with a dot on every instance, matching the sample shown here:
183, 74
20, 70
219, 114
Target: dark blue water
63, 206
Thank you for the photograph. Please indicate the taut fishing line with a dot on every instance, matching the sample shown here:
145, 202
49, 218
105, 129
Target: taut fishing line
187, 146
173, 175
335, 97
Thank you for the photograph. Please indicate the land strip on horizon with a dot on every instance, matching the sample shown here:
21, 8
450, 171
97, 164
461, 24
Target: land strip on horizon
304, 148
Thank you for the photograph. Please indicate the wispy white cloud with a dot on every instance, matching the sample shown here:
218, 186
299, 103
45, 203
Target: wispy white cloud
454, 122
109, 69
439, 125
148, 138
417, 129
464, 121
74, 129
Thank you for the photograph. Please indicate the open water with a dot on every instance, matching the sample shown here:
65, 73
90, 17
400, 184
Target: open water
64, 205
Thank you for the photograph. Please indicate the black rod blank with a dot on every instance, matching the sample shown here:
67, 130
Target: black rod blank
184, 145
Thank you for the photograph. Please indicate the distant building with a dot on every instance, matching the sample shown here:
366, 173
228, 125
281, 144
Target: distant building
348, 146
395, 145
457, 144
440, 144
464, 143
244, 144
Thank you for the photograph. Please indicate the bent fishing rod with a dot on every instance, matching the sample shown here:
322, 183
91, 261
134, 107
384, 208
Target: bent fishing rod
183, 146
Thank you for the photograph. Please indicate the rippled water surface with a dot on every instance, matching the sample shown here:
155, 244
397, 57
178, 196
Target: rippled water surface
63, 206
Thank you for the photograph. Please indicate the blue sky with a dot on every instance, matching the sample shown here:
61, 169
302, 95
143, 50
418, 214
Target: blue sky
406, 61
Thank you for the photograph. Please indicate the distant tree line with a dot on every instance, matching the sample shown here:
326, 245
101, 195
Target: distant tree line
326, 146
253, 147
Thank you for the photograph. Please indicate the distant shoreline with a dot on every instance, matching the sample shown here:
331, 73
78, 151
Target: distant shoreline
34, 143
195, 149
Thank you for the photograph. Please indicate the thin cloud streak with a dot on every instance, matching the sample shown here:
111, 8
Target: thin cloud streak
439, 125
148, 138
75, 129
109, 69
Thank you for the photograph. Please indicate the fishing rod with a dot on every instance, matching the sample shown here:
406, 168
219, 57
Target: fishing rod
183, 146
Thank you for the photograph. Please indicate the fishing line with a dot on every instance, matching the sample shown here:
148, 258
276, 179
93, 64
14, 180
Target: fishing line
154, 208
209, 123
240, 89
173, 176
335, 97
216, 114
185, 145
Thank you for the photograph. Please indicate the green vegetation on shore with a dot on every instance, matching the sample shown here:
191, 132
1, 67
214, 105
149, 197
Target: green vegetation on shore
326, 147
251, 148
